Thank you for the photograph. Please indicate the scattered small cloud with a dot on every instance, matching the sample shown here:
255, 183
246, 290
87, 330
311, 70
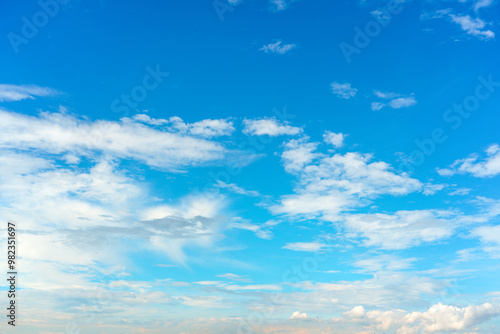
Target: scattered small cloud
278, 48
343, 90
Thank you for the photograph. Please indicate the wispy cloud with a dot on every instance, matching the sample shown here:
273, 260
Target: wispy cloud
120, 139
10, 93
488, 167
278, 48
474, 27
268, 126
343, 90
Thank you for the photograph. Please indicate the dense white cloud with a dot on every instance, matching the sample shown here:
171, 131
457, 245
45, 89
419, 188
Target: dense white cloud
10, 93
488, 167
343, 90
402, 229
396, 101
334, 139
206, 128
268, 126
278, 48
331, 184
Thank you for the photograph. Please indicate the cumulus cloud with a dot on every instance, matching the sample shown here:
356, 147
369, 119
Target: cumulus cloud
343, 90
278, 48
269, 126
473, 165
205, 128
334, 139
439, 317
10, 93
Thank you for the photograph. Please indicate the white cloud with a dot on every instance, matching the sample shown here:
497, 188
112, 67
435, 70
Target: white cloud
403, 229
334, 139
57, 133
439, 317
384, 262
386, 95
299, 316
403, 102
236, 189
234, 277
298, 153
331, 184
10, 93
268, 126
304, 246
490, 237
279, 5
478, 4
396, 101
343, 90
278, 48
206, 128
488, 167
474, 27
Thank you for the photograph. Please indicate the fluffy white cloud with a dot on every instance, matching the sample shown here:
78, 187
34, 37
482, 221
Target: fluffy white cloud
474, 27
343, 90
438, 318
268, 126
10, 93
299, 316
59, 133
334, 139
278, 48
488, 167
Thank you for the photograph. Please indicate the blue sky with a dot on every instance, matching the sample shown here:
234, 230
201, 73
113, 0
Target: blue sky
265, 166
